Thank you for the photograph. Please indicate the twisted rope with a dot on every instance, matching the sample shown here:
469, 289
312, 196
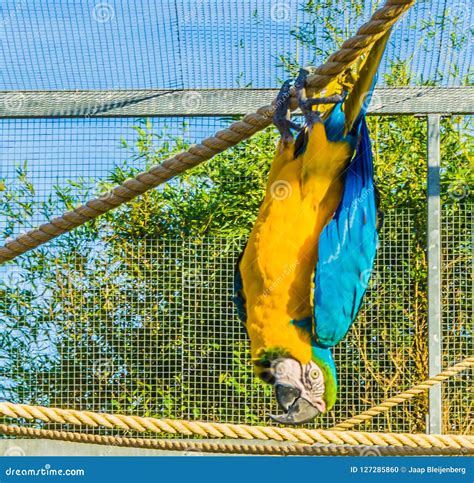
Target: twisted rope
241, 431
231, 447
404, 396
381, 21
233, 431
339, 436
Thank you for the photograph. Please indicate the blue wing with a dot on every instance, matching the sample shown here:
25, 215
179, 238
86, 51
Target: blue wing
347, 249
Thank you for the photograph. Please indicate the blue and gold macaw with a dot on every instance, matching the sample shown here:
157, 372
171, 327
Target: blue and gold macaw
301, 278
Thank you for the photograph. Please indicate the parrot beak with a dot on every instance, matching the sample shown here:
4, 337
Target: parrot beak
297, 409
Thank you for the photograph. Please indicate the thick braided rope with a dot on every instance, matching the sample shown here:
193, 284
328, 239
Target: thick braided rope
230, 447
381, 21
404, 396
232, 431
221, 430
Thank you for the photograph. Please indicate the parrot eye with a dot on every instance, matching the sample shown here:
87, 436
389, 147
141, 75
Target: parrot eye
314, 374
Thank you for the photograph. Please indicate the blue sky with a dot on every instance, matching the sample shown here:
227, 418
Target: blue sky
138, 44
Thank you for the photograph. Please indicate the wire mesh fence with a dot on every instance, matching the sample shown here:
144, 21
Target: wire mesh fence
457, 309
116, 317
148, 328
132, 313
119, 44
66, 158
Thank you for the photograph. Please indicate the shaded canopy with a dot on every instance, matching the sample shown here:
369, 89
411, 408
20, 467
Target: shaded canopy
139, 44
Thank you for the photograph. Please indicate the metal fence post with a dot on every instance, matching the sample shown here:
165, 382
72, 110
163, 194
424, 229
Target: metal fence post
434, 424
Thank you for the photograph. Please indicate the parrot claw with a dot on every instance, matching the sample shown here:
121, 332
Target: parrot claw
282, 116
306, 105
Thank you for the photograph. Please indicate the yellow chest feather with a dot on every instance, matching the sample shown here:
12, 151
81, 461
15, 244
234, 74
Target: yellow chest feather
277, 266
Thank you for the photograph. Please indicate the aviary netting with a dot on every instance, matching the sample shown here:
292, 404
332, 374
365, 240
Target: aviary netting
329, 442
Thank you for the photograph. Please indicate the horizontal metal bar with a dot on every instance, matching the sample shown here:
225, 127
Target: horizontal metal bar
214, 102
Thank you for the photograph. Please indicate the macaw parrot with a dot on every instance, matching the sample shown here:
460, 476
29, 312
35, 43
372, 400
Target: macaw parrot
301, 278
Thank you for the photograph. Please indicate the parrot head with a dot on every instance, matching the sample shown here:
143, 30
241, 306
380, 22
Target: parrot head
302, 390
